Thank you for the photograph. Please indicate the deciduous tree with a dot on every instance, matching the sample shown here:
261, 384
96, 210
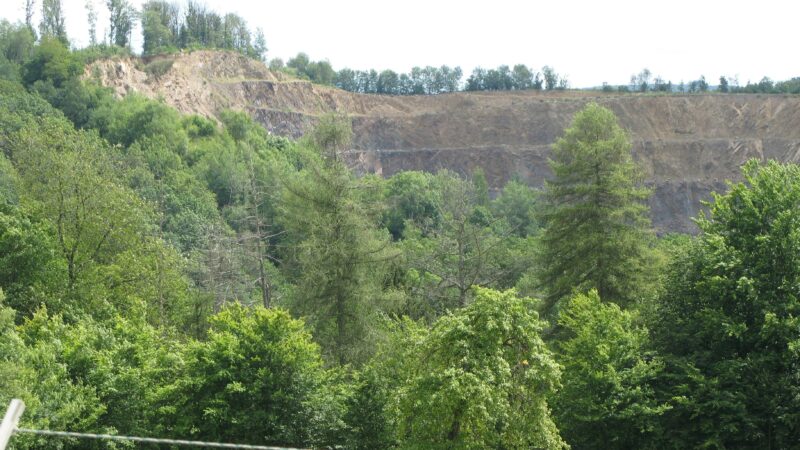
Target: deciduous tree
608, 397
728, 324
480, 378
258, 378
52, 23
120, 26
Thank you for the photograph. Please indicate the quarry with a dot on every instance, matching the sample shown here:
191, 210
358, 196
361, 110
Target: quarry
688, 145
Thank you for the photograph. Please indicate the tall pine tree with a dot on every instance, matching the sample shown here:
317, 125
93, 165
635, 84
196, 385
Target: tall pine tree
338, 253
594, 213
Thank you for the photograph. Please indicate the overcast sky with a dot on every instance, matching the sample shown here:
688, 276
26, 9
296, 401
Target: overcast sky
588, 41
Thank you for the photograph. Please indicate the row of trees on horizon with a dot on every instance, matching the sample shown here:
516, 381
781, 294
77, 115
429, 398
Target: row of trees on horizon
170, 26
166, 26
427, 80
644, 81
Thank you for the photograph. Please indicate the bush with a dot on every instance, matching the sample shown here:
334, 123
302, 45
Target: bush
198, 126
93, 53
158, 68
52, 61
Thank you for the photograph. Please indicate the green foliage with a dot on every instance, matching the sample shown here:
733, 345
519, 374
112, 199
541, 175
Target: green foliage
259, 49
51, 61
237, 124
768, 86
27, 258
728, 322
410, 196
87, 55
517, 206
91, 213
158, 68
111, 260
9, 182
338, 254
52, 21
222, 170
502, 78
121, 17
299, 63
89, 377
319, 72
17, 109
136, 117
276, 64
257, 378
608, 398
75, 98
16, 42
420, 80
122, 361
481, 187
595, 221
723, 85
479, 379
13, 374
120, 238
168, 26
16, 48
550, 78
465, 247
159, 26
198, 126
369, 425
53, 398
332, 135
8, 70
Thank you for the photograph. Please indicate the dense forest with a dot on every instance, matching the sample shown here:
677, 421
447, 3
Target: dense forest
176, 276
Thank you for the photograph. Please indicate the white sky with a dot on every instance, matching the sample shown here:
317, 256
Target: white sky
588, 41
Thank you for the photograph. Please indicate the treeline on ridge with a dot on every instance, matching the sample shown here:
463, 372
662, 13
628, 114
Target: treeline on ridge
644, 81
427, 80
167, 27
170, 26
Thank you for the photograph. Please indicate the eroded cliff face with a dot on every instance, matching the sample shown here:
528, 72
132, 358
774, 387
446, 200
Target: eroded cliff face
688, 145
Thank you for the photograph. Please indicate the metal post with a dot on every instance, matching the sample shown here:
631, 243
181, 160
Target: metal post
10, 421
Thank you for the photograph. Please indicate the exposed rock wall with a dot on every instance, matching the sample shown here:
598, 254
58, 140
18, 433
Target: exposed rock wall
688, 145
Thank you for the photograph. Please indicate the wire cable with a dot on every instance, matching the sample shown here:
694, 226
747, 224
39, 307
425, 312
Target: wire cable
115, 437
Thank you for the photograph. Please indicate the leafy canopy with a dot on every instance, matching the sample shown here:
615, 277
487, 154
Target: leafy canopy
608, 398
479, 378
729, 321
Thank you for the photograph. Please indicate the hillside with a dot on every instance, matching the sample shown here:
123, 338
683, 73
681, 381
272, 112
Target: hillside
688, 144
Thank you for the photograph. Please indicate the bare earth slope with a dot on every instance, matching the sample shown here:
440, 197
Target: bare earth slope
688, 144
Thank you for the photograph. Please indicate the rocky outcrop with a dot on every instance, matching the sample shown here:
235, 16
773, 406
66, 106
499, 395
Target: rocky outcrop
688, 145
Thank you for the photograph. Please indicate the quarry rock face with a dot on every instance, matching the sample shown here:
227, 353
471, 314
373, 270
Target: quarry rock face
688, 145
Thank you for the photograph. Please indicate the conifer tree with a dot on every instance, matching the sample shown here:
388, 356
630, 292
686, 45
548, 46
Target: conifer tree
338, 253
595, 219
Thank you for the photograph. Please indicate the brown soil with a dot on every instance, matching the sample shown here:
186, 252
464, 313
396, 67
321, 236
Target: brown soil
688, 144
